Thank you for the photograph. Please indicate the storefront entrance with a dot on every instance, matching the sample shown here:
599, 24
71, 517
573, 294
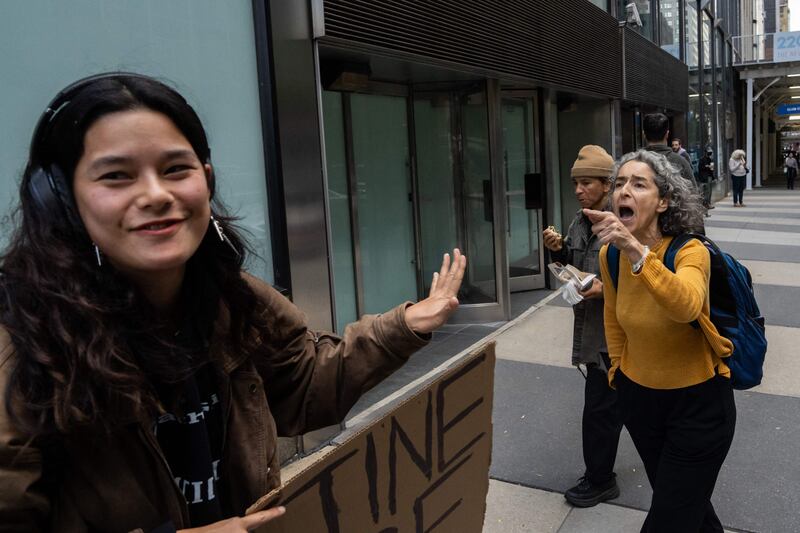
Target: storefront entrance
410, 176
524, 189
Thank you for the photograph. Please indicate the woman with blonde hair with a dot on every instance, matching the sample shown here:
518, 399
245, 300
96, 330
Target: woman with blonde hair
739, 169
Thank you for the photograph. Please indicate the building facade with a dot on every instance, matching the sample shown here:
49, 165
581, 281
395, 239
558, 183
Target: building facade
358, 141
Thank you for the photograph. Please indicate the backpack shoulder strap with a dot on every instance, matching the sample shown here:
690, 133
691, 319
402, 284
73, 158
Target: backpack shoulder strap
612, 258
674, 247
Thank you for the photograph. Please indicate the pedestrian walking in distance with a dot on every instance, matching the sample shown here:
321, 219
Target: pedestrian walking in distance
144, 376
674, 388
739, 169
705, 173
601, 425
791, 170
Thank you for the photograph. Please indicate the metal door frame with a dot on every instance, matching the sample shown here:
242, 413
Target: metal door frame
500, 309
533, 281
383, 89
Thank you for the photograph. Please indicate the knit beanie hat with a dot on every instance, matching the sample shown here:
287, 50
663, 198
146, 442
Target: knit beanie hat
593, 162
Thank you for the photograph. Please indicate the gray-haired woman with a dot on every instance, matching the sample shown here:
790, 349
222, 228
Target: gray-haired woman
738, 167
674, 388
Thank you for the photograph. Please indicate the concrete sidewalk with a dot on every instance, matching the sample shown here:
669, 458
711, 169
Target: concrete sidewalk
539, 398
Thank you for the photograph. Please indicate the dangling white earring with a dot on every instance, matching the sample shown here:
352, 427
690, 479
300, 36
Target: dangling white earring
222, 237
97, 255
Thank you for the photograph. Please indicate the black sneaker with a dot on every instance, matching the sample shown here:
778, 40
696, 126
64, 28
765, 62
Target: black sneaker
584, 494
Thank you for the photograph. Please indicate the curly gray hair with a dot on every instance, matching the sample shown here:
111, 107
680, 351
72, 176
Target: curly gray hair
685, 212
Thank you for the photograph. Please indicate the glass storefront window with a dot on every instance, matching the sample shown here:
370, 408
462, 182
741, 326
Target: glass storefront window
719, 148
209, 57
708, 86
370, 202
519, 164
693, 131
454, 181
384, 201
339, 210
669, 14
706, 40
602, 4
692, 48
730, 117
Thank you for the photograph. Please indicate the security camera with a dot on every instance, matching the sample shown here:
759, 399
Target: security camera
632, 15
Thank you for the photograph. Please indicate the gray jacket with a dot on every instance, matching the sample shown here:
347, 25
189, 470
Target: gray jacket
680, 164
581, 249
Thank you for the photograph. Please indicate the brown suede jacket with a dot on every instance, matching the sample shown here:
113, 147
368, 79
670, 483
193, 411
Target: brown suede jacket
123, 482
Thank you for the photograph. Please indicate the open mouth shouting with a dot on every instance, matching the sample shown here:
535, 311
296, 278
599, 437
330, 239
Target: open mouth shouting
625, 213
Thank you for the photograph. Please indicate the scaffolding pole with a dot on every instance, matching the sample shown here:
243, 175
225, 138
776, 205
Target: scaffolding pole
755, 170
749, 138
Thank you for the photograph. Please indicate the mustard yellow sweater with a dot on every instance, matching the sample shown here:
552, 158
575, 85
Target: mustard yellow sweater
648, 320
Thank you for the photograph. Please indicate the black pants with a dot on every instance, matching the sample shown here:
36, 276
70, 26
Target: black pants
705, 189
682, 436
791, 174
601, 425
738, 188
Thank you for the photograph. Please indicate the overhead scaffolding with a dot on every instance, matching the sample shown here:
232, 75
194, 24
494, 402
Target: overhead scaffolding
768, 85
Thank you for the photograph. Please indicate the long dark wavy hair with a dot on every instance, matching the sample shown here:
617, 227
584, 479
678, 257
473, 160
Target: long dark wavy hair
88, 351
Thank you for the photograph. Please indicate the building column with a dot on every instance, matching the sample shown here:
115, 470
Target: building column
299, 109
755, 170
765, 153
749, 134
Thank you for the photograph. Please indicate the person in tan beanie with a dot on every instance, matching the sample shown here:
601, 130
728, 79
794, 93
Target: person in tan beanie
601, 423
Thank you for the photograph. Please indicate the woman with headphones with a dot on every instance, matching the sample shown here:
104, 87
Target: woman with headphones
145, 376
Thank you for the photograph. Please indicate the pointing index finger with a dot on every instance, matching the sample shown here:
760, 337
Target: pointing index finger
594, 215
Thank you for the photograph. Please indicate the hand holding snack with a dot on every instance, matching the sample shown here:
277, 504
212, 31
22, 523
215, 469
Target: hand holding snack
552, 239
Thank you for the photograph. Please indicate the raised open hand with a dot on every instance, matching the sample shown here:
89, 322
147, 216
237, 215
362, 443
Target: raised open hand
432, 312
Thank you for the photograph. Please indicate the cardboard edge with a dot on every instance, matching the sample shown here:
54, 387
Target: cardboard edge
362, 424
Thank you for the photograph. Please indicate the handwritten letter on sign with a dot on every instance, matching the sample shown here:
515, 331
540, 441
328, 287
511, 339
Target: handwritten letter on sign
421, 467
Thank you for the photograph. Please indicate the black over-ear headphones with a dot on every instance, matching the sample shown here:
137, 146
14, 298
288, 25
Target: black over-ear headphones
48, 186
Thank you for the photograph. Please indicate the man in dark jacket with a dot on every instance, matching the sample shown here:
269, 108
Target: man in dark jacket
656, 133
601, 423
705, 173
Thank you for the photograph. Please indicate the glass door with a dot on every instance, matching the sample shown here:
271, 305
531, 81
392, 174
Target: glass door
524, 191
409, 178
370, 203
455, 199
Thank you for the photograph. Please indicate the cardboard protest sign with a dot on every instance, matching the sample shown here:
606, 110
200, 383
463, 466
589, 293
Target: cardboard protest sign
421, 466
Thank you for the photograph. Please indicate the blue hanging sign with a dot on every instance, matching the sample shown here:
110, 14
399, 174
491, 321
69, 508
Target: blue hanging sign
788, 109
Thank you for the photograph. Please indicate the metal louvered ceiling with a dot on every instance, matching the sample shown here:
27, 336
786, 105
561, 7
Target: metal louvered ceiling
568, 43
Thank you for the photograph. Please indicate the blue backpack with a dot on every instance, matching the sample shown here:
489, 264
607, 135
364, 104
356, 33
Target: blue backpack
734, 310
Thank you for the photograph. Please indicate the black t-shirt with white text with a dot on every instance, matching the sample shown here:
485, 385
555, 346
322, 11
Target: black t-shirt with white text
191, 440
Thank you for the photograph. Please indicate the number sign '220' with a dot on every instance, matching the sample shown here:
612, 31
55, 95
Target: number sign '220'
787, 46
